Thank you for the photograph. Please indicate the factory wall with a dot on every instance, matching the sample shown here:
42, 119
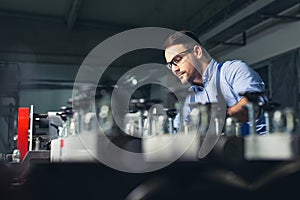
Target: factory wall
46, 86
267, 44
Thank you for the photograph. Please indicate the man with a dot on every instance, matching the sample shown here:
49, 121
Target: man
192, 64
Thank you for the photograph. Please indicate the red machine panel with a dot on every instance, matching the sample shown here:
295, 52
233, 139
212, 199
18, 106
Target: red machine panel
23, 127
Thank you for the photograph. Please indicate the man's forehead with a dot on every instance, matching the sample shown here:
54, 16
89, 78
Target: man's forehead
174, 50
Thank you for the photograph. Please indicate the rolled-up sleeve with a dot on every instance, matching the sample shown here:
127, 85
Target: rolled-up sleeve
242, 78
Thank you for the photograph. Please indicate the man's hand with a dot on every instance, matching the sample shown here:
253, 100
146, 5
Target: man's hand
239, 111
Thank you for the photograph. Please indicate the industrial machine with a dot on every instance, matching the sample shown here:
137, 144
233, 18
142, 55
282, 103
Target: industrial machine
85, 132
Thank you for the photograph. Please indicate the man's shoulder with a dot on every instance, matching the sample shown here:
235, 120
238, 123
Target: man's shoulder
233, 65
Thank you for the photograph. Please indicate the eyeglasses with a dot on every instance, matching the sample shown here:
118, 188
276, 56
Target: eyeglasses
176, 59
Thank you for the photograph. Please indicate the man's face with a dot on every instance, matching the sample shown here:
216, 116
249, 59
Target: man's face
180, 60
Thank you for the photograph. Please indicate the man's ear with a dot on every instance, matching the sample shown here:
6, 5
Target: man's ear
198, 51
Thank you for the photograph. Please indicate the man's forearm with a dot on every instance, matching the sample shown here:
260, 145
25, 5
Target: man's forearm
239, 111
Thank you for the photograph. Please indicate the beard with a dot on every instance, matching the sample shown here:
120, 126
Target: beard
195, 78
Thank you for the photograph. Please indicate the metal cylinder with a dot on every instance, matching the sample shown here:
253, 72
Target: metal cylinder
231, 126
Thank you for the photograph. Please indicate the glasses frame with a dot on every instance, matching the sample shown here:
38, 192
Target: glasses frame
180, 55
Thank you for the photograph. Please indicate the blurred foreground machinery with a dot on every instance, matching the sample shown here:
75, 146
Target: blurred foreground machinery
205, 155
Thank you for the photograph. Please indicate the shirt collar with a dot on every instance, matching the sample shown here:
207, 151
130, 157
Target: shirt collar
195, 88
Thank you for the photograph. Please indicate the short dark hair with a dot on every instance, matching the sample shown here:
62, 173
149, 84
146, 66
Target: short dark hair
181, 37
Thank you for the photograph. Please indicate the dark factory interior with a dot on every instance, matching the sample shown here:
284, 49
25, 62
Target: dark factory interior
183, 99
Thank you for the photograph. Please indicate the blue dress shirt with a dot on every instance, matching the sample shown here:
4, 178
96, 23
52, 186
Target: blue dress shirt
234, 78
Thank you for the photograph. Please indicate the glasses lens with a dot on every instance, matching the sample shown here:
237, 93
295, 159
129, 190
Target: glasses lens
177, 58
